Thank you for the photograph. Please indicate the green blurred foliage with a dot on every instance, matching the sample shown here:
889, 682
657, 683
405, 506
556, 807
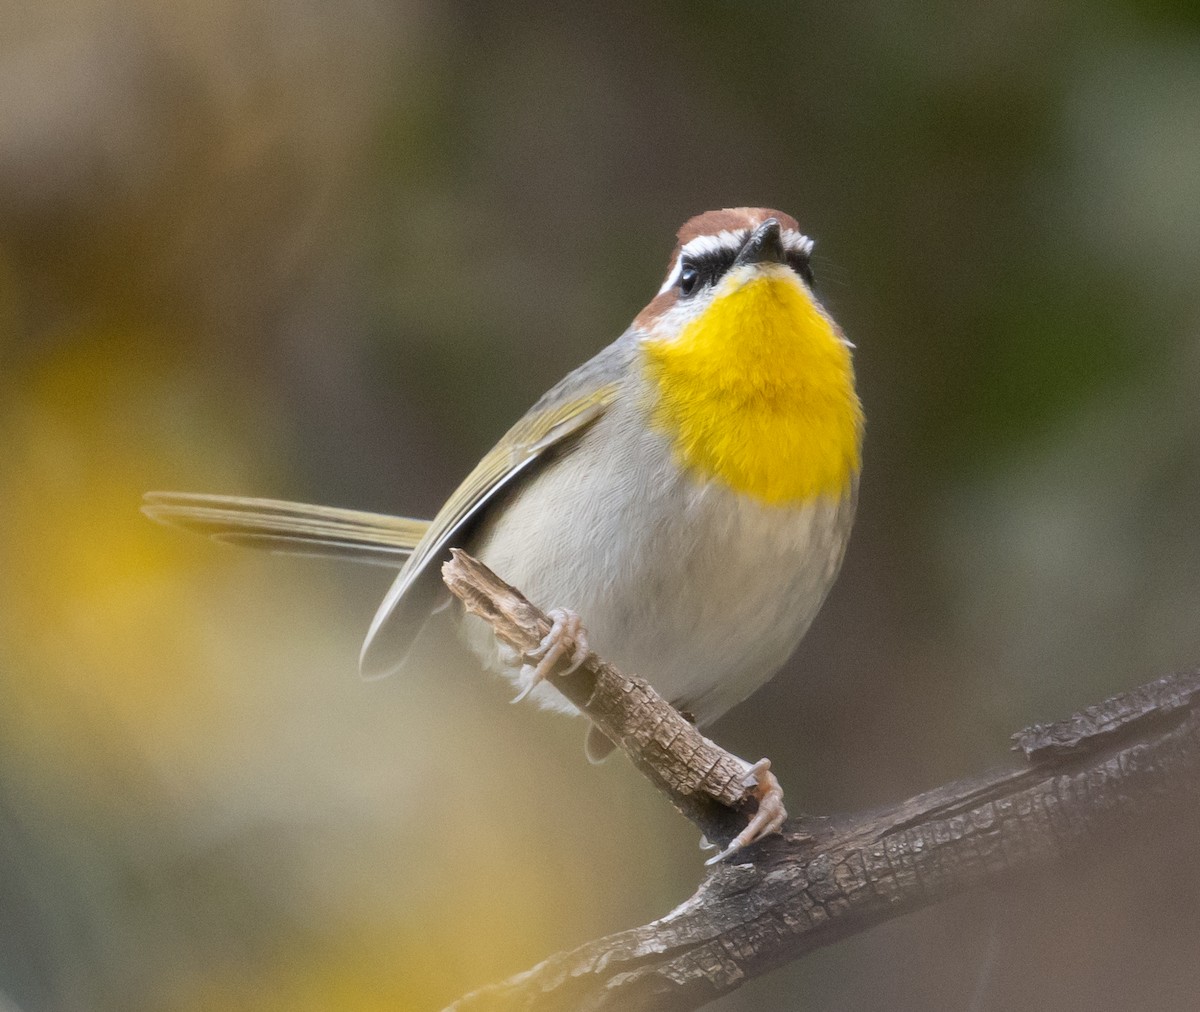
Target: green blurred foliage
331, 253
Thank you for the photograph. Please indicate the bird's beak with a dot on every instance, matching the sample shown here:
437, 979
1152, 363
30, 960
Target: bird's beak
765, 245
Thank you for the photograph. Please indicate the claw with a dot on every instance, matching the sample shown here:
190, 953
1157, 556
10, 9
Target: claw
770, 815
529, 686
566, 636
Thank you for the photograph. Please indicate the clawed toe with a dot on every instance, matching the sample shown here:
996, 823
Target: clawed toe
769, 817
566, 637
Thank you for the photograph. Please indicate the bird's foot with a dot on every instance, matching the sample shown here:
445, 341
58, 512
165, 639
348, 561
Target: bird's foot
769, 817
566, 637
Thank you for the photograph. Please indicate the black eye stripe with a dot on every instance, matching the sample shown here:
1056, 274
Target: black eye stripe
800, 263
711, 265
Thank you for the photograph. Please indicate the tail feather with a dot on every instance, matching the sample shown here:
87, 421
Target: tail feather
289, 527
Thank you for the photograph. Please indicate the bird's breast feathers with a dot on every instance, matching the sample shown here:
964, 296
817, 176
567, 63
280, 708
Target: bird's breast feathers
758, 393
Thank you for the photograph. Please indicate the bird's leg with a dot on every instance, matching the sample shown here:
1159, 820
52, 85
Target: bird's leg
566, 637
770, 815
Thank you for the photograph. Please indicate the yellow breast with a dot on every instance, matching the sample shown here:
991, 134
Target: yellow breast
758, 392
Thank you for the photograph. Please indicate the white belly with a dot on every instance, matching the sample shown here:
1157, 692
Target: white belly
699, 590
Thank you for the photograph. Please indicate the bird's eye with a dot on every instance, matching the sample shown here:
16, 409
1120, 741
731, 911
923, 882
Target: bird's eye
689, 279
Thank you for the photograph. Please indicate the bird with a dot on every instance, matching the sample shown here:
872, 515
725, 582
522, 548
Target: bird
683, 499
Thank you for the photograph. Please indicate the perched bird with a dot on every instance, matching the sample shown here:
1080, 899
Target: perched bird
689, 492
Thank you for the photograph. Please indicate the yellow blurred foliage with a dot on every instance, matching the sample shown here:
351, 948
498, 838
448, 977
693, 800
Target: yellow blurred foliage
94, 613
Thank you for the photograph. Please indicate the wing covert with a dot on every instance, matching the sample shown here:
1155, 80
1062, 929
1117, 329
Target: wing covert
566, 410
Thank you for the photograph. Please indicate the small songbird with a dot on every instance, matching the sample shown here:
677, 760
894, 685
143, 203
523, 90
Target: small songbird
689, 492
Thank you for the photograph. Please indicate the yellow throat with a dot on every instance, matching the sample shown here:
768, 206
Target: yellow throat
758, 392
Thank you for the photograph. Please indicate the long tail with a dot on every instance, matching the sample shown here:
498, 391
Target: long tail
290, 527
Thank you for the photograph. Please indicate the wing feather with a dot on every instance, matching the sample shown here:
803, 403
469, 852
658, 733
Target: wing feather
569, 408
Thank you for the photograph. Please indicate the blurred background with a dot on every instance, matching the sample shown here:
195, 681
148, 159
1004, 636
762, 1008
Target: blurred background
330, 252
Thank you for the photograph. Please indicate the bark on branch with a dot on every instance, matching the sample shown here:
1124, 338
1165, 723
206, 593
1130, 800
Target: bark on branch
1108, 767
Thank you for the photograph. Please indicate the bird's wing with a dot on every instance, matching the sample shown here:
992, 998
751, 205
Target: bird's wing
290, 527
566, 410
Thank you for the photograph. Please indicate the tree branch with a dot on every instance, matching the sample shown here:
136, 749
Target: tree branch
825, 878
706, 783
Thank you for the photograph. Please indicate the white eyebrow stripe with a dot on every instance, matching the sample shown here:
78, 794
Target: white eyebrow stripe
673, 276
797, 242
722, 241
726, 241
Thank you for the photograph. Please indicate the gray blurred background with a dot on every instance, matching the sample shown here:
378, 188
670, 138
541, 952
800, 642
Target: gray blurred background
329, 252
